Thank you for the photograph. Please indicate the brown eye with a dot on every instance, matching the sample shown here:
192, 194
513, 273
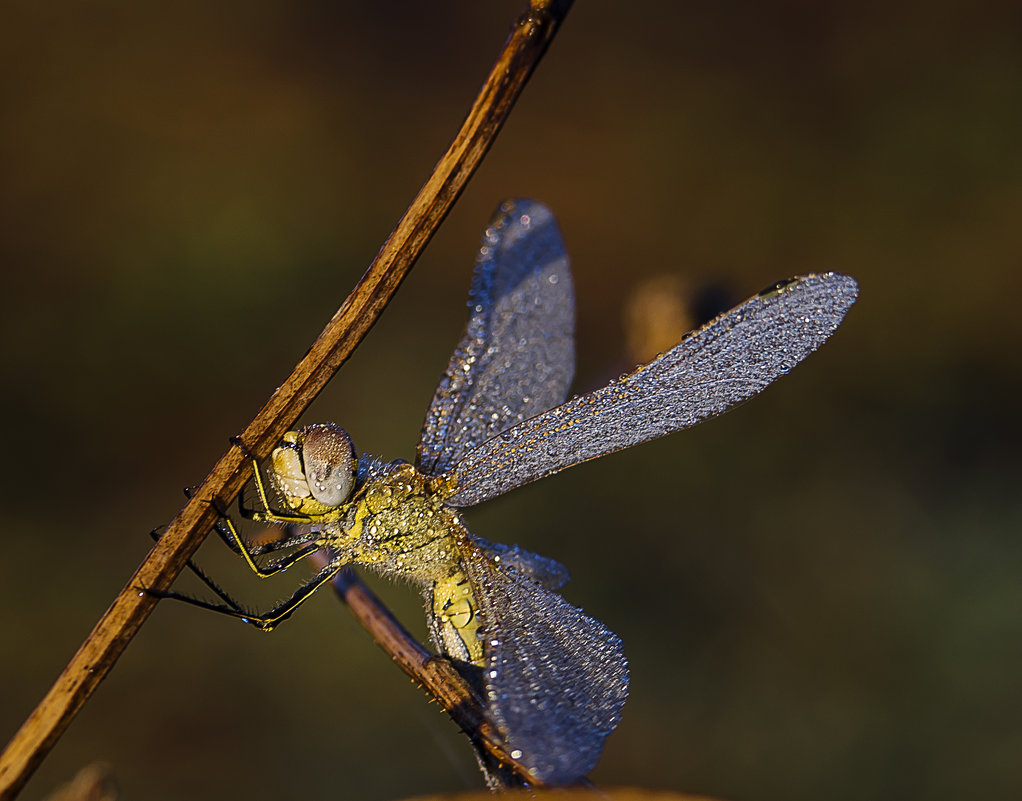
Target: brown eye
330, 462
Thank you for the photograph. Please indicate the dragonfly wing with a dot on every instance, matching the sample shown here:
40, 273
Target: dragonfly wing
541, 569
517, 356
556, 679
722, 364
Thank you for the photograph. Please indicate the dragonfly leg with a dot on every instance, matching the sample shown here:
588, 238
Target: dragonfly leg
267, 515
260, 549
305, 544
229, 534
264, 621
201, 575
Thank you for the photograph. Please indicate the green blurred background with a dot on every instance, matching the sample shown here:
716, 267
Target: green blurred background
820, 593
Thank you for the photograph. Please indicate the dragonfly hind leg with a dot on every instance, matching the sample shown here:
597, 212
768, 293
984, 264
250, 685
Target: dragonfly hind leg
269, 620
265, 621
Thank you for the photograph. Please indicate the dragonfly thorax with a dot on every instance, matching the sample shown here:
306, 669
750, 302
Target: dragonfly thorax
396, 524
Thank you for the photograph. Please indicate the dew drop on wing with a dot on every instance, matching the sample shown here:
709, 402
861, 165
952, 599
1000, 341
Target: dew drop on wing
726, 362
522, 304
561, 676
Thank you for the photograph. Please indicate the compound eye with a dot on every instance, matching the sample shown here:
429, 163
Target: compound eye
330, 462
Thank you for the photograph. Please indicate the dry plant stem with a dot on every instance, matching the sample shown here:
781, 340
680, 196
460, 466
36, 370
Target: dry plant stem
528, 41
436, 675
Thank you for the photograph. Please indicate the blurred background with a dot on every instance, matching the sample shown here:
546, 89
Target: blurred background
819, 592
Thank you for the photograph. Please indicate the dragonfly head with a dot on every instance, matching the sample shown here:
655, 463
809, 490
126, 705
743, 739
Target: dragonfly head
314, 468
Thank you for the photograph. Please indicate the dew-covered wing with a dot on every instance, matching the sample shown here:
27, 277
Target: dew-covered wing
556, 679
541, 569
724, 363
516, 358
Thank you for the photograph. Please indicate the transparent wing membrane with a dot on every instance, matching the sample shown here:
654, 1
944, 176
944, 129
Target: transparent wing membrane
516, 358
556, 679
722, 364
541, 569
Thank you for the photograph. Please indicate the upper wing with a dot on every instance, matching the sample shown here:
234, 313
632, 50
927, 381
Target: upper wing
517, 356
724, 363
556, 679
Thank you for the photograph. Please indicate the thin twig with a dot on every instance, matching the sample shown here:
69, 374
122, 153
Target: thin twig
528, 41
437, 676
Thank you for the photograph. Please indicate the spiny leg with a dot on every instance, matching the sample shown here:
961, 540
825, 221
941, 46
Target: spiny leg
264, 548
205, 579
232, 539
267, 515
227, 532
265, 621
225, 528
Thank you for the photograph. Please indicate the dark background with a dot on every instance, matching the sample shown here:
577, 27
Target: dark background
819, 593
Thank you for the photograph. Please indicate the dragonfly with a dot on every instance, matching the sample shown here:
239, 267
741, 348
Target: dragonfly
554, 679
